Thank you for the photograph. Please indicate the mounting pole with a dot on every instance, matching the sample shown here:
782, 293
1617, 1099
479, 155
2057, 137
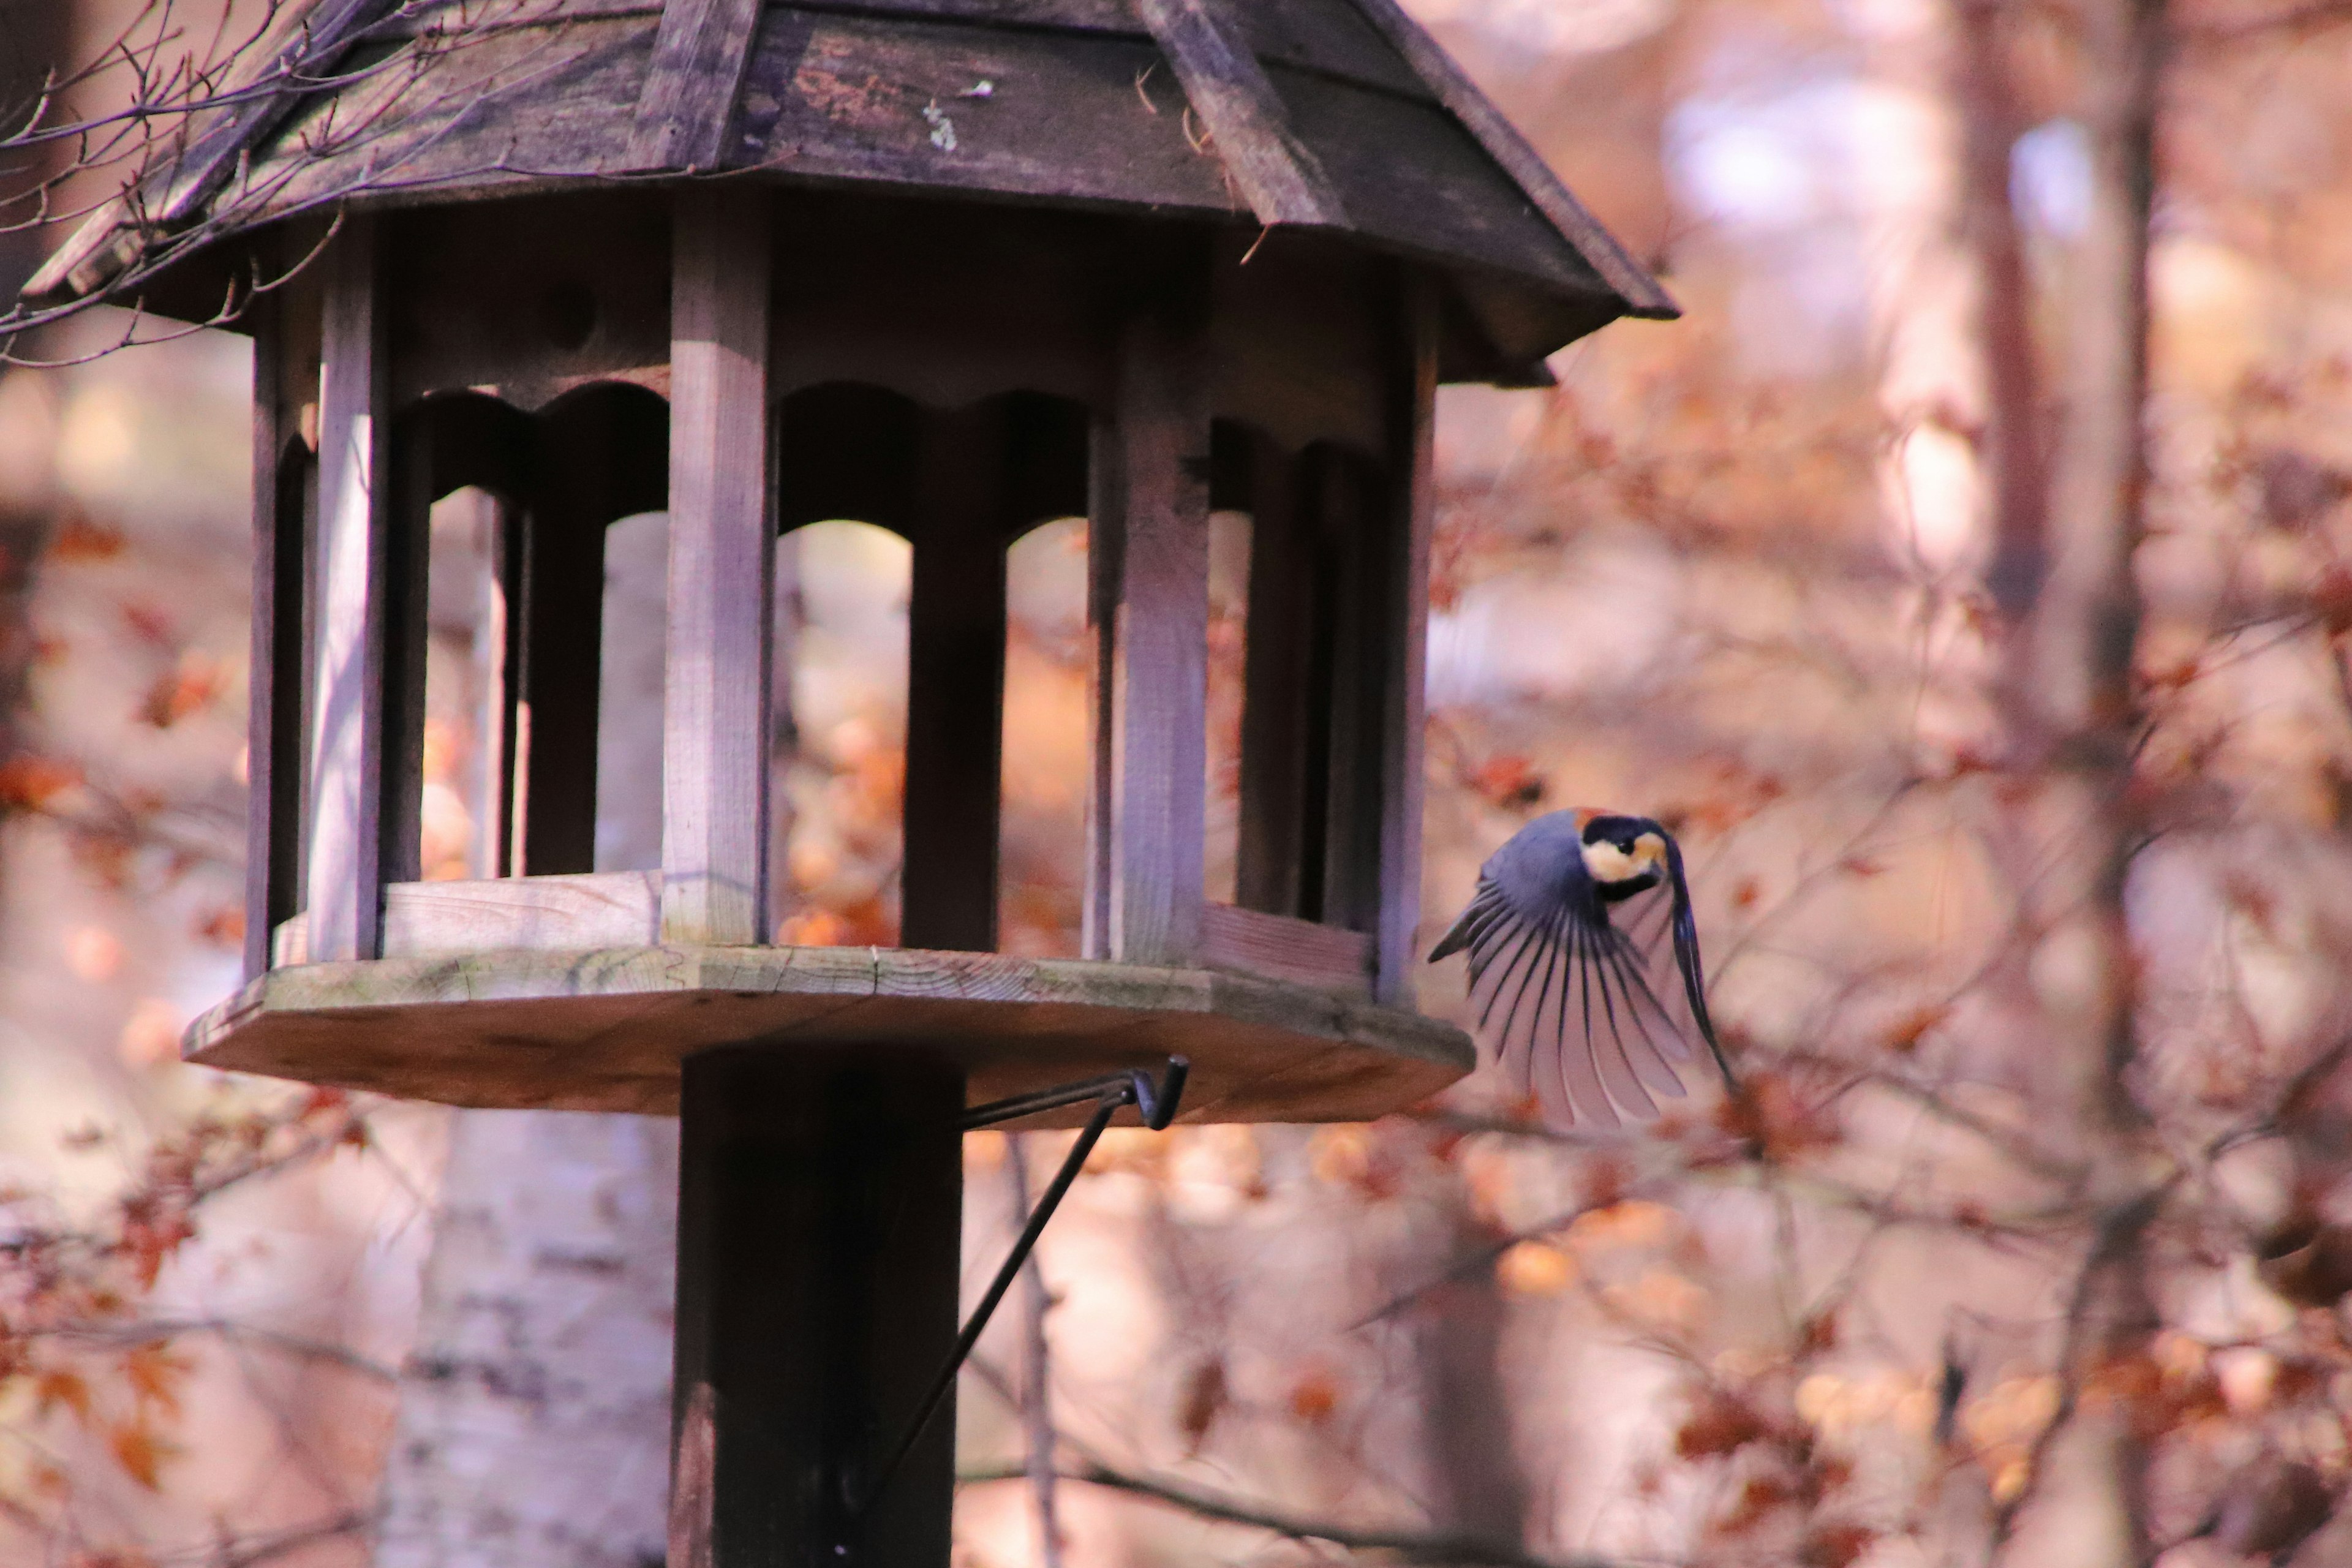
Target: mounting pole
819, 1222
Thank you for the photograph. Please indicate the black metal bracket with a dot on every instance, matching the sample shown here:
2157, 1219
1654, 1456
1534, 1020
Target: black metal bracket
1156, 1102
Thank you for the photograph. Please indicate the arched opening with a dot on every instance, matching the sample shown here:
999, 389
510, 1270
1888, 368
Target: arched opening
839, 769
1304, 760
466, 711
1230, 533
1049, 653
959, 485
494, 759
632, 641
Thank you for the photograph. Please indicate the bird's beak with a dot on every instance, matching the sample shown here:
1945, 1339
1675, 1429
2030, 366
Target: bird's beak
1649, 853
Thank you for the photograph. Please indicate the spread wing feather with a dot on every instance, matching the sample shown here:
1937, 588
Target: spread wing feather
1586, 1005
1569, 1010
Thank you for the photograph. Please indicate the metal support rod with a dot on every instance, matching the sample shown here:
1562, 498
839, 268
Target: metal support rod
1157, 1102
1158, 1105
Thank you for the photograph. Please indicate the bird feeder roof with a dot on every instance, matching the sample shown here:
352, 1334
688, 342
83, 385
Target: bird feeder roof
1336, 116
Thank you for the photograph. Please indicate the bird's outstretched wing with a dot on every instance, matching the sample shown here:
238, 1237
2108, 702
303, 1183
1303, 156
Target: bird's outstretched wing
1585, 1004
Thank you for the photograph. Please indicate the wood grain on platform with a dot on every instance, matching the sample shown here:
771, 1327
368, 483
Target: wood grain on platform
605, 1029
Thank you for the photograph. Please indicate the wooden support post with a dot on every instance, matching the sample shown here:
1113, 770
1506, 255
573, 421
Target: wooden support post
819, 1221
722, 552
342, 866
1151, 563
1346, 498
955, 683
562, 658
1411, 509
285, 377
1279, 710
408, 543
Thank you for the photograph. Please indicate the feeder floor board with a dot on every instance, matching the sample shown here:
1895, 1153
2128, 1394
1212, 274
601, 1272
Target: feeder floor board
604, 1030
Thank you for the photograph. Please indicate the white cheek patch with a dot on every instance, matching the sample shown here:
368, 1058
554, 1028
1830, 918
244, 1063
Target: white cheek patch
1608, 863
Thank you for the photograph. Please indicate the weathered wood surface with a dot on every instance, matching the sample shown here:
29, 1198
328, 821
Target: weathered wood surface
1411, 499
606, 908
1151, 527
693, 1480
605, 1030
1501, 139
1059, 103
819, 1217
722, 552
1281, 179
1345, 493
532, 297
1416, 183
955, 682
1089, 113
688, 98
1278, 947
1284, 724
353, 562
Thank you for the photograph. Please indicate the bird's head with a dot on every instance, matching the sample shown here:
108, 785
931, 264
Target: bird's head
1625, 855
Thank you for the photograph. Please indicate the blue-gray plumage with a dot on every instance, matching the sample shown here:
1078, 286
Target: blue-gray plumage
1568, 935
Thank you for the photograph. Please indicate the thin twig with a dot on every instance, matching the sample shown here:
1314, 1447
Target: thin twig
1411, 1545
1036, 1396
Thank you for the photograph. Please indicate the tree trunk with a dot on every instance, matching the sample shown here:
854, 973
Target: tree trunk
534, 1421
1477, 1487
2084, 719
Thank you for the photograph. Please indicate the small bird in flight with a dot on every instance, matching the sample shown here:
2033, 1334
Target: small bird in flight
1567, 937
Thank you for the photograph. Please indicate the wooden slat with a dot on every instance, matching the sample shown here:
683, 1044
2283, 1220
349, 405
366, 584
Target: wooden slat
691, 87
1152, 524
289, 941
722, 564
1328, 36
610, 909
1278, 716
404, 587
1343, 491
693, 1478
262, 679
1413, 500
1276, 175
343, 870
955, 683
1503, 143
285, 376
1279, 948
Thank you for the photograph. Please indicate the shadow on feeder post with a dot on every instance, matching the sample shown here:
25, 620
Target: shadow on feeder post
819, 1218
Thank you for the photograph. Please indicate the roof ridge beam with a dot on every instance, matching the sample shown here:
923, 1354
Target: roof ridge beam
688, 101
1641, 293
1276, 175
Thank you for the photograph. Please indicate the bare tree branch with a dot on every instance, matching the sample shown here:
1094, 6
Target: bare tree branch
1411, 1545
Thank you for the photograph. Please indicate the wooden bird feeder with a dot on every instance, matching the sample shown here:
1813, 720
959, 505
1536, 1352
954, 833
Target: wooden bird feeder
956, 267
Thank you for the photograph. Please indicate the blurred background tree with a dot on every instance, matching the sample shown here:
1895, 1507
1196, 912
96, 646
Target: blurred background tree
1966, 577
